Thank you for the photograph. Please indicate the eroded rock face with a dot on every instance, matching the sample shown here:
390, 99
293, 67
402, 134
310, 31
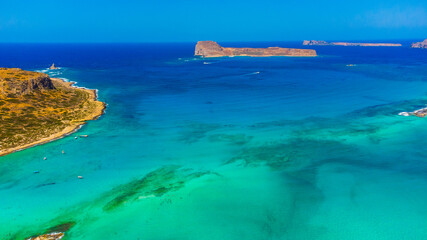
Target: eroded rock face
19, 82
422, 44
38, 83
213, 49
209, 48
347, 44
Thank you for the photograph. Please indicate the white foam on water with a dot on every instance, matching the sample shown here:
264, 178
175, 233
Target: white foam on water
144, 197
66, 80
42, 71
252, 73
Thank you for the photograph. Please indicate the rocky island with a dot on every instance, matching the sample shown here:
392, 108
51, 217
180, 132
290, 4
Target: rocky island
35, 108
347, 44
422, 44
212, 49
53, 67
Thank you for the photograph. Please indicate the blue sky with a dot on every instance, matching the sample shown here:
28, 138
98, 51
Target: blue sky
220, 20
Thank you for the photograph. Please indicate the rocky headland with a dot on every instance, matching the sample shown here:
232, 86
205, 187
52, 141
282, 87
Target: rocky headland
419, 113
36, 109
348, 44
213, 49
422, 44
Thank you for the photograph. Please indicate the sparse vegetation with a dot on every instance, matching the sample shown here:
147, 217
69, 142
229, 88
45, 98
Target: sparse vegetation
43, 111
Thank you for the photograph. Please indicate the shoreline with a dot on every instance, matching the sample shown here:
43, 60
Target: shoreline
256, 56
422, 112
67, 130
349, 44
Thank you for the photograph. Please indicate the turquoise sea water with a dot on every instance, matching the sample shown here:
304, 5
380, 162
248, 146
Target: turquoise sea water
227, 148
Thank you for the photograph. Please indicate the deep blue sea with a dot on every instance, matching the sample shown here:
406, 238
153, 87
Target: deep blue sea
288, 148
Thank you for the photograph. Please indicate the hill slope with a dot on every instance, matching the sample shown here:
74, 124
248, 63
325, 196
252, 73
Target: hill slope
35, 108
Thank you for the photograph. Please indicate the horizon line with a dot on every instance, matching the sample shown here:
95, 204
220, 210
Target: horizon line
225, 41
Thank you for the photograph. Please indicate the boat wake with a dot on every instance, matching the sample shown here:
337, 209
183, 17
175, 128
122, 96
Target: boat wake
252, 73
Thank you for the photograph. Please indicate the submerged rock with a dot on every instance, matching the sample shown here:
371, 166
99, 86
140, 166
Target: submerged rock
238, 139
193, 132
155, 184
292, 153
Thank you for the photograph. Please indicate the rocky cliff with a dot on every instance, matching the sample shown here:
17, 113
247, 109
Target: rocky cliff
213, 49
347, 44
422, 44
14, 81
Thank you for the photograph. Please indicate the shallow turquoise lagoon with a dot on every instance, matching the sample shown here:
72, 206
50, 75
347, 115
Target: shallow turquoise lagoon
231, 148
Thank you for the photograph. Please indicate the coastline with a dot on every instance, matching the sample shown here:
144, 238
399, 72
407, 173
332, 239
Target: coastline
422, 112
257, 56
99, 111
348, 44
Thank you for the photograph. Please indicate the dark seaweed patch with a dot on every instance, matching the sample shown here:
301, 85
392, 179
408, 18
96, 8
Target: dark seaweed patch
297, 151
61, 227
238, 139
156, 183
195, 131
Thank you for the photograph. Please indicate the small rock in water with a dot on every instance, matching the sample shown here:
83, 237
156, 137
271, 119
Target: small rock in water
36, 172
419, 113
48, 236
53, 67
